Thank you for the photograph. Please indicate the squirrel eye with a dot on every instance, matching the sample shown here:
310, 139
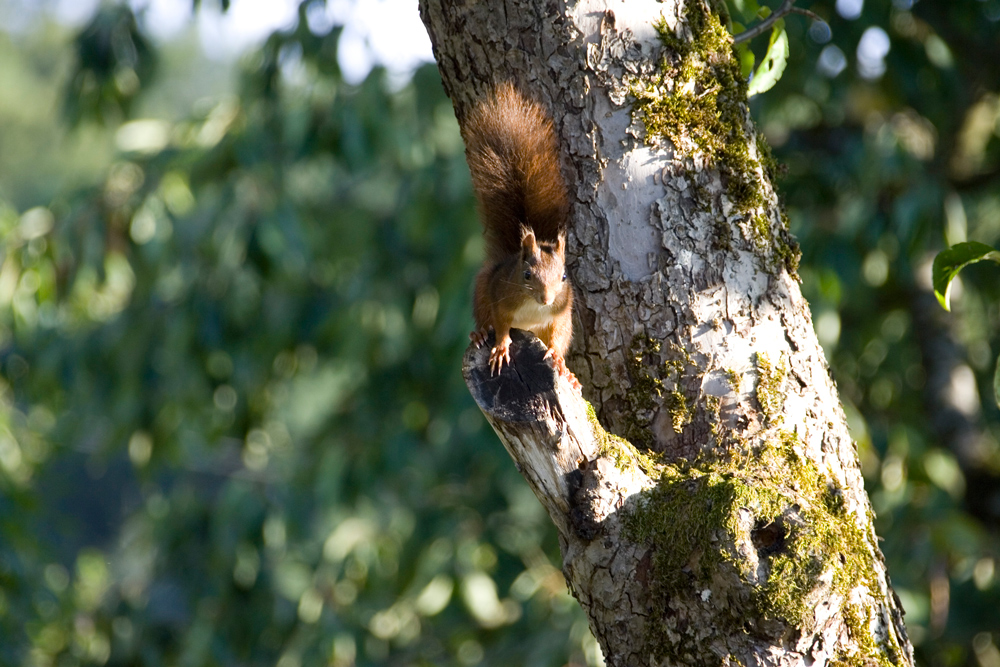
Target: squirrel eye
527, 274
564, 277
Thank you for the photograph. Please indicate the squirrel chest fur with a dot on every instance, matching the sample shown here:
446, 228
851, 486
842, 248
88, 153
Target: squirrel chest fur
512, 154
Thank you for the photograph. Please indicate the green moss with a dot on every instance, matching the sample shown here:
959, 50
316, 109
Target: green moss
713, 406
677, 405
771, 386
791, 514
619, 450
681, 354
734, 379
870, 653
772, 168
656, 384
787, 248
761, 229
723, 237
679, 360
648, 391
696, 101
646, 388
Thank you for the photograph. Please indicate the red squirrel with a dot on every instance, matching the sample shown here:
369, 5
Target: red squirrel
510, 144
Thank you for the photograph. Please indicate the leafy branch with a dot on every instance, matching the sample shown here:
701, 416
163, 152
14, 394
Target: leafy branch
787, 7
775, 59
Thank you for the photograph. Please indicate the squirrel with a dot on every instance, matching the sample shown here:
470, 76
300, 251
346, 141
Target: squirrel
513, 157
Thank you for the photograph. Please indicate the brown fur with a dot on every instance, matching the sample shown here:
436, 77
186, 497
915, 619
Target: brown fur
513, 156
511, 149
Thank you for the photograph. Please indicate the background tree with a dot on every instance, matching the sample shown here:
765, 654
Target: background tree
306, 246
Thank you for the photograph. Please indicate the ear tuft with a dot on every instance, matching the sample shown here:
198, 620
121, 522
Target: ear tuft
529, 246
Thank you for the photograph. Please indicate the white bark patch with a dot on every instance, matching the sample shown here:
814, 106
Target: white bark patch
632, 15
768, 337
632, 240
744, 272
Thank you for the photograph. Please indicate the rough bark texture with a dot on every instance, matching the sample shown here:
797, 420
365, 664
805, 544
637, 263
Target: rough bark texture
734, 529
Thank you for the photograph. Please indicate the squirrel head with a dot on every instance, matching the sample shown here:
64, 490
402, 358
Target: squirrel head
543, 266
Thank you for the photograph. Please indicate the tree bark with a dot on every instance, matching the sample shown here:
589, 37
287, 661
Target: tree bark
728, 523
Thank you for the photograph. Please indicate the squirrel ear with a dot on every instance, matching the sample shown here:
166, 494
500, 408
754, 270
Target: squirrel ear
561, 242
528, 244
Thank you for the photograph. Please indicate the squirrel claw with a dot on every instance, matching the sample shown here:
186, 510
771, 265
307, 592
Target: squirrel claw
478, 337
573, 381
499, 355
562, 369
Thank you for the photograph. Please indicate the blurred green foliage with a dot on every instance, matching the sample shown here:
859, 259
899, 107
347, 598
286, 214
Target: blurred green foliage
114, 60
233, 427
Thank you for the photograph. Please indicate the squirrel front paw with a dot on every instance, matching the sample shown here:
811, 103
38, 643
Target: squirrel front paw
499, 355
478, 337
562, 369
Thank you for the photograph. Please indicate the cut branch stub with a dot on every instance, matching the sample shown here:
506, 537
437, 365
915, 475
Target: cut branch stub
550, 432
523, 391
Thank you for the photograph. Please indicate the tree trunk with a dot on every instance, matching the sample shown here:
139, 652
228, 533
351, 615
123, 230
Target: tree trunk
728, 523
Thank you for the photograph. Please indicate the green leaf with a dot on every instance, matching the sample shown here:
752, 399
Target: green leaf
773, 64
746, 56
746, 9
949, 262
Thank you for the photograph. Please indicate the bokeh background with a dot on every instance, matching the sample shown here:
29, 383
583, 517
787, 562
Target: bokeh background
237, 250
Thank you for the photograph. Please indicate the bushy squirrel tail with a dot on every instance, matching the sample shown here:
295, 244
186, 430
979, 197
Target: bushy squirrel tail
510, 144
